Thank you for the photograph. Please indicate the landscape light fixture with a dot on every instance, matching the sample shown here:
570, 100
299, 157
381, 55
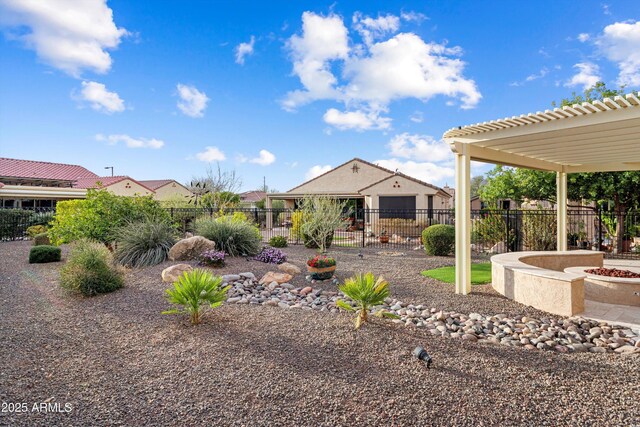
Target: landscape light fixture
421, 354
109, 167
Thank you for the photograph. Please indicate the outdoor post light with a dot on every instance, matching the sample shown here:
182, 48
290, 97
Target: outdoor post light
421, 354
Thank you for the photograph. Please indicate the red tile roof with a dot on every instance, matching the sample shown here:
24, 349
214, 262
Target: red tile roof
105, 181
252, 196
42, 170
156, 183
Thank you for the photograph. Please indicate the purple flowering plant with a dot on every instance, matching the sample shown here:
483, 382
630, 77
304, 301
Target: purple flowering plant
271, 256
212, 258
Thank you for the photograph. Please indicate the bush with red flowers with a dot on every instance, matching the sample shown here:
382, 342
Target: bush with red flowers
321, 261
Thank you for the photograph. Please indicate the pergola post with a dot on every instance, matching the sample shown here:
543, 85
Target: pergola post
561, 200
269, 213
463, 220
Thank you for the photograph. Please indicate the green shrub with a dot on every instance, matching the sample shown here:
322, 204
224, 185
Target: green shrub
90, 270
100, 214
145, 243
41, 239
14, 223
539, 230
192, 290
366, 292
234, 237
322, 215
44, 253
439, 239
42, 217
278, 242
36, 229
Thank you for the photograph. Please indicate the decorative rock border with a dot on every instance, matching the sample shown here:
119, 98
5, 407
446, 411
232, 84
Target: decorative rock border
574, 334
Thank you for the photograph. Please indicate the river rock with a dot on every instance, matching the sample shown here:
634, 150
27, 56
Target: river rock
289, 268
171, 274
272, 276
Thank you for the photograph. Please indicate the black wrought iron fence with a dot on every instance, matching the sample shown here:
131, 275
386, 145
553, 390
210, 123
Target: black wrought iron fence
15, 222
492, 231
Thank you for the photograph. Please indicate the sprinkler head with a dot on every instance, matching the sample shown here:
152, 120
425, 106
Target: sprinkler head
421, 354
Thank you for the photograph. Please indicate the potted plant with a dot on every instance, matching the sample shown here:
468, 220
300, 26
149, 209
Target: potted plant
321, 267
383, 236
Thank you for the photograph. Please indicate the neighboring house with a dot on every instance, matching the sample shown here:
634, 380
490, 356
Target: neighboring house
166, 189
367, 185
29, 183
118, 185
249, 199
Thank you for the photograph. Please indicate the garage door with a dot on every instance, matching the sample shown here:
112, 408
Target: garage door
398, 207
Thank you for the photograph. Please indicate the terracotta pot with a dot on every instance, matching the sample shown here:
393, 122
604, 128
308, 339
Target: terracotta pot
384, 239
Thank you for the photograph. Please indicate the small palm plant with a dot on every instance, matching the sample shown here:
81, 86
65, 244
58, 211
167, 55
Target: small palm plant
192, 290
367, 292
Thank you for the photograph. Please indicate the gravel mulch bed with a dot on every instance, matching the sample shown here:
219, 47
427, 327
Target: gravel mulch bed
117, 361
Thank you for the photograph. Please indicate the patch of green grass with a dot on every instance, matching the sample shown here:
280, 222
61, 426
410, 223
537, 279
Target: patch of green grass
480, 274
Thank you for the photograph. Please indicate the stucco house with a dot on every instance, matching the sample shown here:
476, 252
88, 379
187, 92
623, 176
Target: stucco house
250, 199
370, 186
166, 189
35, 184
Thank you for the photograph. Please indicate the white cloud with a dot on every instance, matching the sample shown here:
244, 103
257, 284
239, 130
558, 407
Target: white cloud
583, 37
407, 67
100, 99
244, 49
404, 66
131, 142
323, 39
69, 35
620, 43
356, 120
315, 171
588, 75
419, 147
374, 28
193, 101
417, 117
412, 16
211, 154
531, 77
424, 171
264, 159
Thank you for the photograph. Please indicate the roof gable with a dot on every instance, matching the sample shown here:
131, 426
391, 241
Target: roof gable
397, 175
106, 181
360, 172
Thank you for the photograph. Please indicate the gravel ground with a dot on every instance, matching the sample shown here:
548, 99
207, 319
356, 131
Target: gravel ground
117, 361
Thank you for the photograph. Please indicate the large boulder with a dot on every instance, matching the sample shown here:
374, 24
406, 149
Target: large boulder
191, 248
272, 276
171, 274
289, 268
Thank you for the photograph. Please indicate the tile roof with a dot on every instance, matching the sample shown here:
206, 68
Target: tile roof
154, 184
252, 196
105, 181
42, 170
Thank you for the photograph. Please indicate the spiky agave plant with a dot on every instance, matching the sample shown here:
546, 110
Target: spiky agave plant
367, 292
192, 290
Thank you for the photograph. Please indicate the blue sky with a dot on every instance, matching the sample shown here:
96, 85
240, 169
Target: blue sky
285, 90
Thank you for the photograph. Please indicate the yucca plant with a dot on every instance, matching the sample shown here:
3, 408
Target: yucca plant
194, 289
145, 243
367, 292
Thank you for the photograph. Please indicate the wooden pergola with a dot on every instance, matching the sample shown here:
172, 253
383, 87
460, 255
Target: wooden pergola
600, 136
